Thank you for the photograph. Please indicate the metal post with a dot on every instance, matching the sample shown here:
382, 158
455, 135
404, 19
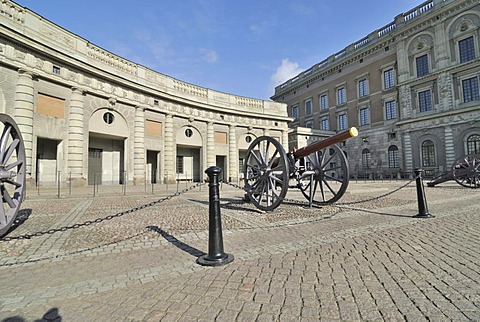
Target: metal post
310, 200
178, 180
422, 201
94, 181
58, 183
215, 256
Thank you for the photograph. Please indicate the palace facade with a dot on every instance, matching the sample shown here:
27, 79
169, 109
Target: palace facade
89, 116
411, 88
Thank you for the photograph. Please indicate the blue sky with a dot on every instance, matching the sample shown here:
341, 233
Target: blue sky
240, 47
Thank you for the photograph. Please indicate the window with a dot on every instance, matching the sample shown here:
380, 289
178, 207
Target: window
388, 80
422, 65
425, 101
309, 124
188, 133
108, 118
179, 163
466, 49
366, 158
470, 89
56, 70
341, 96
390, 110
473, 144
393, 156
324, 124
342, 122
308, 107
364, 116
295, 111
428, 154
323, 102
362, 88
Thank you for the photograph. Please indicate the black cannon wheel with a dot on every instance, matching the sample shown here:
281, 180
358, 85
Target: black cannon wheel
266, 173
12, 172
324, 174
466, 171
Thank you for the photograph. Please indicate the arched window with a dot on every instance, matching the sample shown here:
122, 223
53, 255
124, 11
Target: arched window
366, 158
428, 154
393, 156
473, 144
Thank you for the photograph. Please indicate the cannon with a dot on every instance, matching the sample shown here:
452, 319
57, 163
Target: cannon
12, 172
465, 171
320, 170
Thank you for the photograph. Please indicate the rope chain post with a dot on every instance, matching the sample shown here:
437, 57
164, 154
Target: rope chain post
58, 183
216, 255
422, 201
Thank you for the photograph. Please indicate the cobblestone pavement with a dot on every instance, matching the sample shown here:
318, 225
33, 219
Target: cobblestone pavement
368, 261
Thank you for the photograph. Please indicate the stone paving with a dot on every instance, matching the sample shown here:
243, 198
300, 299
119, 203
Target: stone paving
368, 261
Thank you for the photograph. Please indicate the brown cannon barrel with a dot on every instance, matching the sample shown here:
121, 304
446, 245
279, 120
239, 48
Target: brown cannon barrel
317, 146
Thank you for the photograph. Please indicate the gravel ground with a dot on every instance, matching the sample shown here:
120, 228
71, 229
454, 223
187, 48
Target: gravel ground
189, 212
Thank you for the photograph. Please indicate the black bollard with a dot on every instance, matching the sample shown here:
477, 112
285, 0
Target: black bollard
215, 256
422, 201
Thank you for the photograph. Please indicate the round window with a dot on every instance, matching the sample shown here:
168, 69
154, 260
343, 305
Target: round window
188, 133
248, 139
108, 118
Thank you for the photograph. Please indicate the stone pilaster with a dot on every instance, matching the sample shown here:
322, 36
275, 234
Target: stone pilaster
285, 140
169, 164
266, 132
24, 114
232, 154
211, 160
76, 139
441, 46
449, 148
408, 152
139, 146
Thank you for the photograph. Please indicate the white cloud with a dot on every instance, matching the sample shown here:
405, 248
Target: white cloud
209, 55
284, 72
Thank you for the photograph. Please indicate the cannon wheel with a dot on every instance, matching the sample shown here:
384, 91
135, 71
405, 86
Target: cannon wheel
12, 172
324, 174
266, 173
466, 171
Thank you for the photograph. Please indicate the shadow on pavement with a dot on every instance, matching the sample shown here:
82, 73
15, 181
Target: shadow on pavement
181, 245
51, 315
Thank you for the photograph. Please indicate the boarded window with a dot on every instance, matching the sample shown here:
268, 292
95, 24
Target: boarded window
221, 137
50, 106
154, 128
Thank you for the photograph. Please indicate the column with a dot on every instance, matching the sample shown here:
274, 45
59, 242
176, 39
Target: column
139, 146
23, 107
169, 163
232, 155
211, 160
76, 138
449, 147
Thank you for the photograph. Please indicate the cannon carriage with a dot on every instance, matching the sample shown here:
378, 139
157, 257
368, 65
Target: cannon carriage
12, 172
320, 170
465, 171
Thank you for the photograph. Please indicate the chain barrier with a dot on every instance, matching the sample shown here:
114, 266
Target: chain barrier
99, 220
304, 203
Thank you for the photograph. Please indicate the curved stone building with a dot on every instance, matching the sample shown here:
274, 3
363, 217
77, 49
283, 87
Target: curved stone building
89, 116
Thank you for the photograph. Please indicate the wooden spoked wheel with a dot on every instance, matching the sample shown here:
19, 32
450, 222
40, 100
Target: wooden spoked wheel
323, 176
12, 172
466, 171
266, 173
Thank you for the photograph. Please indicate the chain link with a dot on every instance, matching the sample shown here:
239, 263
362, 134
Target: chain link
99, 220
